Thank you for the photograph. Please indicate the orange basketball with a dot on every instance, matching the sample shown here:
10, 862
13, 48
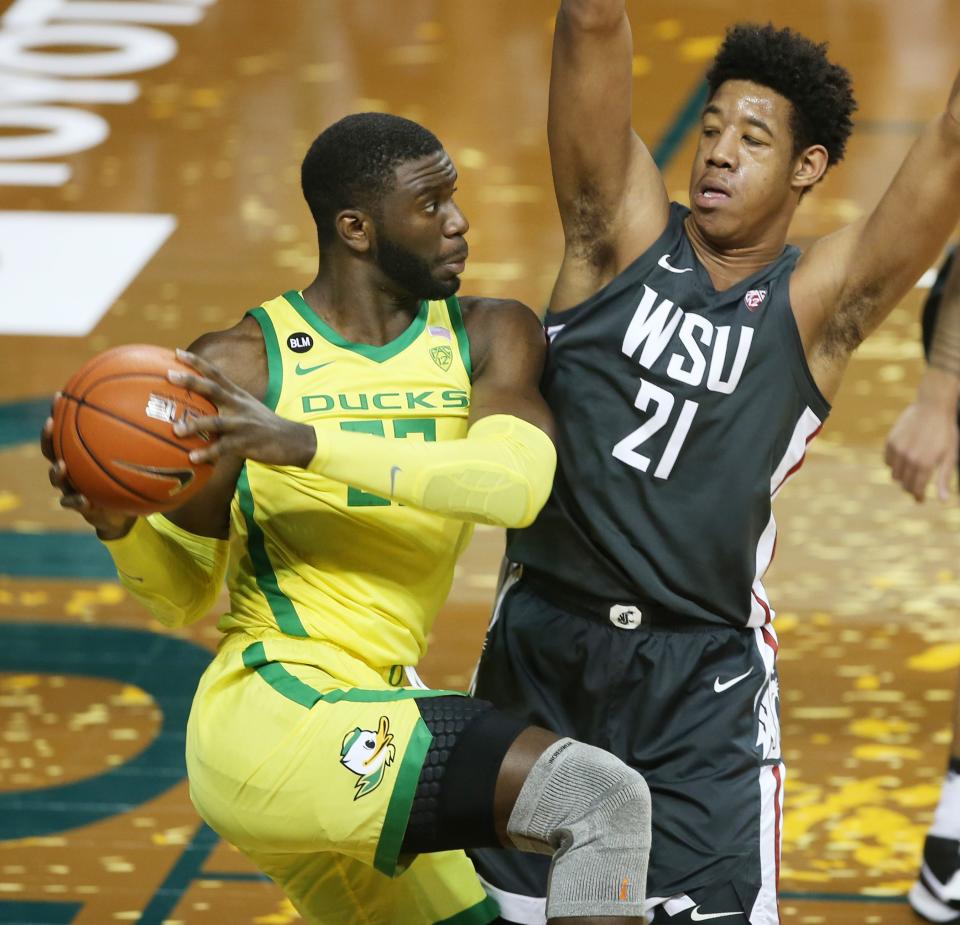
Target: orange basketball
113, 427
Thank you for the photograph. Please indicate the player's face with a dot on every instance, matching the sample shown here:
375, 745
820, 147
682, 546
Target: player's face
740, 183
420, 242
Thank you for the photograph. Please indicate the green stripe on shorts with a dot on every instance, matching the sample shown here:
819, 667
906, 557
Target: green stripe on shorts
480, 914
291, 687
404, 790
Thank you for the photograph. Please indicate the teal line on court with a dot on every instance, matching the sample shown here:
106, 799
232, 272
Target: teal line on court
237, 876
182, 874
685, 119
21, 421
845, 898
24, 912
79, 556
48, 554
165, 667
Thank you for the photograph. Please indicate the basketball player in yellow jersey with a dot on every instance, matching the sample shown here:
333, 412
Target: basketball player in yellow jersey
364, 425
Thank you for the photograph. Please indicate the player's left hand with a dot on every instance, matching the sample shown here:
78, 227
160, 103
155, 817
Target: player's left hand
244, 426
922, 443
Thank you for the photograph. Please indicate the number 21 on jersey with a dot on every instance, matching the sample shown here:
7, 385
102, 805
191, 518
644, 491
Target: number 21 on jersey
660, 416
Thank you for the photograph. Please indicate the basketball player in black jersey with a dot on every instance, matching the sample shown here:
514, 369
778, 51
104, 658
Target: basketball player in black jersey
694, 354
922, 445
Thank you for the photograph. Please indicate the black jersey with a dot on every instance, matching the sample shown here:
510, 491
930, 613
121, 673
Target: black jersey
680, 412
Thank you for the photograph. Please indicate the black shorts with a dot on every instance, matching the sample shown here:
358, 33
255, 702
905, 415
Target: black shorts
694, 707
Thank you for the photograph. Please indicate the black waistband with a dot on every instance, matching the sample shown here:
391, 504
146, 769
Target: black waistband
628, 615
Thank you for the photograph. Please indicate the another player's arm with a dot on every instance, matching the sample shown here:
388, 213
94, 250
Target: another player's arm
240, 353
174, 563
612, 200
500, 473
507, 352
924, 439
849, 281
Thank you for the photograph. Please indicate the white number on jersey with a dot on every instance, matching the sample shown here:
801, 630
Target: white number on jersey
626, 449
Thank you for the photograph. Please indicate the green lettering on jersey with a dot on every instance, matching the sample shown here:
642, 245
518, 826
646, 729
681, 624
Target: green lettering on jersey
402, 428
355, 496
455, 398
419, 399
317, 403
380, 399
386, 401
345, 402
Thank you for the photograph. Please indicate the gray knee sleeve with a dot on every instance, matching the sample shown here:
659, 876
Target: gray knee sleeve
591, 812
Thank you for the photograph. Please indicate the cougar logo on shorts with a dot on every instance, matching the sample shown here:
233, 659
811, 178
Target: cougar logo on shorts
767, 708
368, 754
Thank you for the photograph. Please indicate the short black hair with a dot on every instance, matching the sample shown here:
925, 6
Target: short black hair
351, 164
796, 68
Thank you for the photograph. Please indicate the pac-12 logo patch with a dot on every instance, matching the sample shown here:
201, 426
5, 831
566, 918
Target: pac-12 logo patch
442, 356
368, 754
754, 298
300, 342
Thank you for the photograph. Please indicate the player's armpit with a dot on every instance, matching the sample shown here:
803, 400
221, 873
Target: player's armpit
176, 575
500, 473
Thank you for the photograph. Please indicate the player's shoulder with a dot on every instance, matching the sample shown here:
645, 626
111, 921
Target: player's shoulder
499, 317
238, 352
504, 328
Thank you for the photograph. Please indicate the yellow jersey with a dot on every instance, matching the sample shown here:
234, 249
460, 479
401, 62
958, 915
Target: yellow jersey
317, 564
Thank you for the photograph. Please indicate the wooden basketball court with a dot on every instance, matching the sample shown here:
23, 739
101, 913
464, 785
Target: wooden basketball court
149, 164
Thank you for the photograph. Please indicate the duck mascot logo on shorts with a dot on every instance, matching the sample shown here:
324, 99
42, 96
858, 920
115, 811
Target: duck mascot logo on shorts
368, 754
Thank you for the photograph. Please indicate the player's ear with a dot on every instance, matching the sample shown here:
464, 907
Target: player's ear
810, 166
356, 230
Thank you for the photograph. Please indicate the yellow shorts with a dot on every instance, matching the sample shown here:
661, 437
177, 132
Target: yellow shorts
311, 772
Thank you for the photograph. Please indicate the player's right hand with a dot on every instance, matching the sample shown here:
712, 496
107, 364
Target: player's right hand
110, 525
923, 441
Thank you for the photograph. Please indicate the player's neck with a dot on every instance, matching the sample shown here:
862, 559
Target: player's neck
358, 309
728, 264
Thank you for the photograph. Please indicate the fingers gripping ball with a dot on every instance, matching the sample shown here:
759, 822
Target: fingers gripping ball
113, 428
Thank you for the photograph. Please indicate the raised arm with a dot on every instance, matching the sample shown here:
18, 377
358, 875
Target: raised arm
611, 196
924, 440
849, 281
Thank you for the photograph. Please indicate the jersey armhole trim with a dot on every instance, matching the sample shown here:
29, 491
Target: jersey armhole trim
460, 329
274, 360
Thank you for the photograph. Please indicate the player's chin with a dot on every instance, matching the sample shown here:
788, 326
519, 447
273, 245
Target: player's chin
444, 286
718, 227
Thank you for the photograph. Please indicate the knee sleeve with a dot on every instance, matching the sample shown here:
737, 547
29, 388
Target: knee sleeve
591, 812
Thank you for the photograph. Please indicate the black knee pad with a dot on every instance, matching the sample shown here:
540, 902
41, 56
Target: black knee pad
453, 805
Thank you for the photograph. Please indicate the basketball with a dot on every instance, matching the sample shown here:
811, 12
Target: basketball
113, 428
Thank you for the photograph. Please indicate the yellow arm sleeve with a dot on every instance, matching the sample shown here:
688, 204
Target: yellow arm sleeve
177, 575
500, 473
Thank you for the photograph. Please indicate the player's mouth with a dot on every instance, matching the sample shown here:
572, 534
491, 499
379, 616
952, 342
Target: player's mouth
710, 193
456, 263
